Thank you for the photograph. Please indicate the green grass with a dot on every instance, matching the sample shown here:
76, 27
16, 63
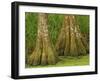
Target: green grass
67, 61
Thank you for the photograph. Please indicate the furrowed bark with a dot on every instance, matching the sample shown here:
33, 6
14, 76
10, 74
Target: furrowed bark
44, 53
70, 40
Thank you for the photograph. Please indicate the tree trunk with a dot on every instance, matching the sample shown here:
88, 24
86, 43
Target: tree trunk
43, 53
70, 41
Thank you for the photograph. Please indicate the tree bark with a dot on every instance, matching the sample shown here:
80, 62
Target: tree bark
43, 53
70, 41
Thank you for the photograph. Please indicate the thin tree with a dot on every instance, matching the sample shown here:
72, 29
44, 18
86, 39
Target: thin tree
70, 40
43, 53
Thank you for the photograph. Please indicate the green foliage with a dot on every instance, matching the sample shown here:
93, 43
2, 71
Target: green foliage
83, 22
55, 22
30, 31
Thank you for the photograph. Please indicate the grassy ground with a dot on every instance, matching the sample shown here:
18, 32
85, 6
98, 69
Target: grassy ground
67, 61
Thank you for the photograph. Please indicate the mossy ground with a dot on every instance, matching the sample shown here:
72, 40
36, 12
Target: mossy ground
66, 61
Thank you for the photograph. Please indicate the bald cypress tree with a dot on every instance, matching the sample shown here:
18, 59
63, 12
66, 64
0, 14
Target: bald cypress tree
70, 40
43, 53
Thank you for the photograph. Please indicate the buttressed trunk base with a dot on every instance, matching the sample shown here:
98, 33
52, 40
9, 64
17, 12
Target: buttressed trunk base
43, 53
70, 41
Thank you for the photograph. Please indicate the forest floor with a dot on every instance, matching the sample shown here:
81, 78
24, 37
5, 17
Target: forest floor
67, 61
